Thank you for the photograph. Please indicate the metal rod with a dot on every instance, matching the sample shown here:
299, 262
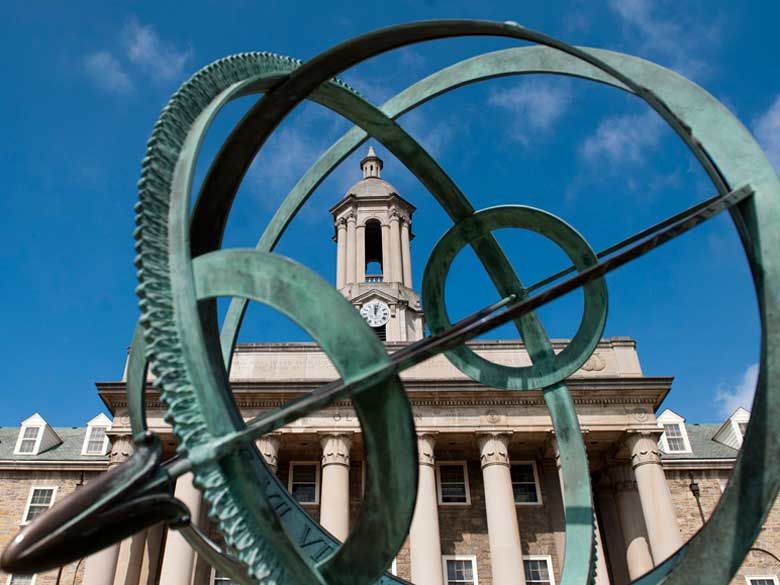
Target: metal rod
476, 324
629, 240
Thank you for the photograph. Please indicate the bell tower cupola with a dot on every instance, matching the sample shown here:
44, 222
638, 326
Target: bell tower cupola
371, 165
373, 256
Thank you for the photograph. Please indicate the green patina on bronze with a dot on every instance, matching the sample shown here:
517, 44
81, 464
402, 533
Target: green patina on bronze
581, 255
181, 269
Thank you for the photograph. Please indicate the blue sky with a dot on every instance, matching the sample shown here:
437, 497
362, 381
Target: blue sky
84, 83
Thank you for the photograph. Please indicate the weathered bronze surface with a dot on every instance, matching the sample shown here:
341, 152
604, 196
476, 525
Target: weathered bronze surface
182, 270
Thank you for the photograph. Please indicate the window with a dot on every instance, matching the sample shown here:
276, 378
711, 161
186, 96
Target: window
21, 579
373, 250
538, 570
460, 570
95, 441
304, 482
453, 483
675, 439
525, 483
762, 580
29, 440
39, 500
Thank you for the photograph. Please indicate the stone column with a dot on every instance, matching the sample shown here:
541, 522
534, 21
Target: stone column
268, 445
424, 537
506, 555
334, 496
395, 247
151, 563
130, 560
101, 567
663, 530
179, 558
613, 535
341, 253
406, 254
629, 508
351, 251
360, 259
602, 574
386, 252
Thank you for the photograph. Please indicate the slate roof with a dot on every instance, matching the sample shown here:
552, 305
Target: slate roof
68, 450
703, 446
700, 437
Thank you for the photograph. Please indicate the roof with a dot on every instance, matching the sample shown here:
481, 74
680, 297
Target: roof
68, 450
372, 187
700, 437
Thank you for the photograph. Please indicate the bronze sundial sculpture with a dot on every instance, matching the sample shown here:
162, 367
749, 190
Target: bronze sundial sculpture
182, 270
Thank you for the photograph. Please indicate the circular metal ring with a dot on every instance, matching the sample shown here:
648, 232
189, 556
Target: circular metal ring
542, 373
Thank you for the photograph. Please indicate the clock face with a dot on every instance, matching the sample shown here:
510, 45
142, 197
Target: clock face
376, 313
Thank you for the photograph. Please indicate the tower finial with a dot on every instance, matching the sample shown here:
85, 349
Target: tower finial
371, 165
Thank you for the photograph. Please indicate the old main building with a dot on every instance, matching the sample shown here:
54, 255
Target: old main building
489, 507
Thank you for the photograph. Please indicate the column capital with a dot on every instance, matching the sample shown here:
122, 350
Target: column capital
341, 223
644, 448
494, 448
551, 446
351, 217
425, 445
394, 215
268, 445
335, 448
121, 449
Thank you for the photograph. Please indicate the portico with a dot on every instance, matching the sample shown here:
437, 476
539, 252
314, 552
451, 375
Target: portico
485, 489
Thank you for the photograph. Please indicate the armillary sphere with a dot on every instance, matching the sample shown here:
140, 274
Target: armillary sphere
182, 270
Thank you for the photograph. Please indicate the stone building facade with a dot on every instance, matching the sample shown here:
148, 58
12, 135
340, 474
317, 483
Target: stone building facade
490, 508
40, 465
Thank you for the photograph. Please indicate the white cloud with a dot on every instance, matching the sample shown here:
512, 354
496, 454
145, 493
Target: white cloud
730, 398
535, 104
281, 162
767, 130
433, 136
680, 41
155, 57
623, 139
144, 49
107, 73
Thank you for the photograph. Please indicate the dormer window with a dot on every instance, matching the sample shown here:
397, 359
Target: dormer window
732, 432
675, 441
28, 441
96, 439
675, 436
35, 437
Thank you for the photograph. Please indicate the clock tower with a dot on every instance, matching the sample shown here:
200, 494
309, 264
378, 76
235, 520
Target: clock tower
373, 261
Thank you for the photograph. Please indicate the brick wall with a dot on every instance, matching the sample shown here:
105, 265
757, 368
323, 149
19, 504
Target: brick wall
463, 528
15, 489
763, 558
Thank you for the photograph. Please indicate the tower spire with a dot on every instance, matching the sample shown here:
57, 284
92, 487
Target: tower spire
371, 165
